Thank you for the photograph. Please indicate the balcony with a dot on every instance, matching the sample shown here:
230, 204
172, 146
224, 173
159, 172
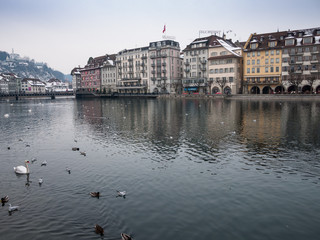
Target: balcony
153, 56
164, 55
314, 61
186, 63
164, 64
164, 71
203, 61
130, 59
314, 70
306, 54
153, 79
164, 78
118, 61
144, 57
153, 72
153, 65
203, 69
187, 70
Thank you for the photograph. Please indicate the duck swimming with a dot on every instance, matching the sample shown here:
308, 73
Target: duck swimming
99, 229
4, 200
13, 208
125, 236
121, 193
95, 194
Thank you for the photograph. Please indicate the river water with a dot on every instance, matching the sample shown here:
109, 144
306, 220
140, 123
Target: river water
191, 169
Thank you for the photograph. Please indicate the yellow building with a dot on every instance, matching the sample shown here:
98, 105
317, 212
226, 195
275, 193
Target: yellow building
262, 58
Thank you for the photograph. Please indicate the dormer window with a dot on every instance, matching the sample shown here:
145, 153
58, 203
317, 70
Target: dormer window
307, 40
289, 42
253, 45
272, 44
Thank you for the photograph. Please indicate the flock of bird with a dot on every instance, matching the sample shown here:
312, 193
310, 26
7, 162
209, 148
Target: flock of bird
25, 170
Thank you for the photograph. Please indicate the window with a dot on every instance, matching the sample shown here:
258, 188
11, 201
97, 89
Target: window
271, 69
258, 53
214, 54
267, 53
272, 52
248, 54
248, 70
307, 40
253, 54
253, 70
258, 61
216, 70
258, 70
307, 49
272, 44
289, 42
253, 45
248, 62
314, 49
267, 61
253, 62
226, 70
277, 52
221, 70
285, 51
267, 69
231, 70
277, 60
211, 71
230, 79
229, 60
271, 60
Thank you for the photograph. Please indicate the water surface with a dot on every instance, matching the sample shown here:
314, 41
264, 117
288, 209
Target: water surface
192, 169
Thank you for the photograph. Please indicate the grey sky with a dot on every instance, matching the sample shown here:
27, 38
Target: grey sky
65, 33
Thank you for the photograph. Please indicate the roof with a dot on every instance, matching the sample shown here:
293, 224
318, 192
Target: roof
263, 39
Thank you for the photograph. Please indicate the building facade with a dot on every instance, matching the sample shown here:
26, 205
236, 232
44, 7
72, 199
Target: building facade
225, 67
301, 61
32, 85
132, 70
281, 62
108, 75
166, 67
76, 79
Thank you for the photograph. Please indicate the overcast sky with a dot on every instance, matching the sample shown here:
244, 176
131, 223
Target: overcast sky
65, 33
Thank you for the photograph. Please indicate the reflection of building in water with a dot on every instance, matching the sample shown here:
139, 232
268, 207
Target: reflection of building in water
261, 121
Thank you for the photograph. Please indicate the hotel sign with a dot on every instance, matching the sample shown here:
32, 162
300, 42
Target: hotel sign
212, 32
168, 37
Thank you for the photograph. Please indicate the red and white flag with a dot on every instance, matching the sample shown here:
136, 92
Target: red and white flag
164, 29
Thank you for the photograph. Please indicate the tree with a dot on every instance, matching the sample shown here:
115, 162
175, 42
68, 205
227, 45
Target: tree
295, 79
209, 83
311, 79
221, 82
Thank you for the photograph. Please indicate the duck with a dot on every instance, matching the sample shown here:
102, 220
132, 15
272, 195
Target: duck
4, 200
22, 169
83, 153
44, 163
33, 160
12, 208
95, 194
75, 149
40, 181
121, 193
68, 170
99, 229
125, 236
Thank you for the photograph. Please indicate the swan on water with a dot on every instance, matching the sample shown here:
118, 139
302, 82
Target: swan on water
40, 181
22, 169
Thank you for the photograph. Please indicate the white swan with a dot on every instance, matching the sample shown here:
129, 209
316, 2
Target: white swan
22, 169
125, 236
40, 181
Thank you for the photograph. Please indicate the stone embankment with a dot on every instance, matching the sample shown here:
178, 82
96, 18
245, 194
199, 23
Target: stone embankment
275, 97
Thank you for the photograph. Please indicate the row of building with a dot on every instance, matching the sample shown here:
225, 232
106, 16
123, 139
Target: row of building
10, 83
277, 62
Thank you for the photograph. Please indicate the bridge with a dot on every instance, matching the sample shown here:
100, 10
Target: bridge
52, 95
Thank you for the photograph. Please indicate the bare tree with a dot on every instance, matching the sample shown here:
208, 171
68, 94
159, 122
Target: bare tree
295, 79
209, 84
221, 82
311, 79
